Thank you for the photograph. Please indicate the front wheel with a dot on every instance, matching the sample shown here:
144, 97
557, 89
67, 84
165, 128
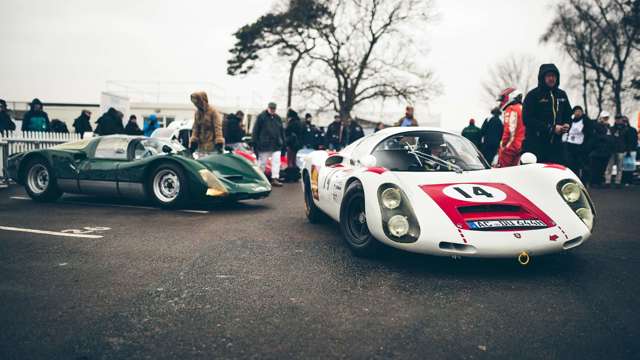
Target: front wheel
167, 186
353, 223
40, 182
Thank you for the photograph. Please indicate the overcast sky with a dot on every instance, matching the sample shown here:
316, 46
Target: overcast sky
66, 51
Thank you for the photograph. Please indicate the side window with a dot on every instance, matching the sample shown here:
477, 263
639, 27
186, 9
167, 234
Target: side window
112, 148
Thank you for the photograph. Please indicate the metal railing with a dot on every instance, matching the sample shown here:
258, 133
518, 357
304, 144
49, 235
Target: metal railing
13, 142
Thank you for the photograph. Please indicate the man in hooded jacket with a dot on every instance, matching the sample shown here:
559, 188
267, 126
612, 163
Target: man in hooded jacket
546, 113
82, 124
207, 126
35, 119
6, 124
110, 123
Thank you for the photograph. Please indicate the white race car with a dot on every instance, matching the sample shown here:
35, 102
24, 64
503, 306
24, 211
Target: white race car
430, 191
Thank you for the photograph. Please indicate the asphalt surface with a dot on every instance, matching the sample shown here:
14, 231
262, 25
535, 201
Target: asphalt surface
256, 280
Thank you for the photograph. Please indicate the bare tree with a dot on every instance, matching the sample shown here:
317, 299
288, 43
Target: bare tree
367, 51
518, 71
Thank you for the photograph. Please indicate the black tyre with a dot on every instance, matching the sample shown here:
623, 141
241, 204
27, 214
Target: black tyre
40, 181
167, 186
353, 223
314, 214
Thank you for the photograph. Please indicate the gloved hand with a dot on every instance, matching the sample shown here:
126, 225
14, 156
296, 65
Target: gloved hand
219, 148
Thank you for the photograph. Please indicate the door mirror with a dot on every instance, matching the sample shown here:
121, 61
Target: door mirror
528, 158
368, 161
167, 149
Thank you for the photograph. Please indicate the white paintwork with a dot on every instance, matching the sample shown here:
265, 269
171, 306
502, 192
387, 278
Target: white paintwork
534, 181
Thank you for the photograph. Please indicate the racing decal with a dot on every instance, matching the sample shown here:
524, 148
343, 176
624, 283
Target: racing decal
314, 182
555, 166
553, 237
487, 206
474, 193
377, 170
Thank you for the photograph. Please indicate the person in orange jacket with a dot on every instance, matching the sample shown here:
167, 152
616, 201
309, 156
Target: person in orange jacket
514, 130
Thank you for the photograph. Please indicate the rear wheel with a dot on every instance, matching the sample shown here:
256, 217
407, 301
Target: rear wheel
353, 223
40, 182
167, 186
314, 214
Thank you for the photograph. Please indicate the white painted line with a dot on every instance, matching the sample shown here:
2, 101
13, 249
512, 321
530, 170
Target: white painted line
112, 205
54, 233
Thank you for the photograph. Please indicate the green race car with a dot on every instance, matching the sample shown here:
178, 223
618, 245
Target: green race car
136, 167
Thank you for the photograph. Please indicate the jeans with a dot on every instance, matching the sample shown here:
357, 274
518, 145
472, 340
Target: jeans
263, 156
615, 159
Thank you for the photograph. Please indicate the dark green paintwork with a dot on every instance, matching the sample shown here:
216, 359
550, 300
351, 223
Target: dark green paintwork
239, 176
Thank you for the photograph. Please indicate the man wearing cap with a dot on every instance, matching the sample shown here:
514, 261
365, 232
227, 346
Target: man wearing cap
268, 140
546, 113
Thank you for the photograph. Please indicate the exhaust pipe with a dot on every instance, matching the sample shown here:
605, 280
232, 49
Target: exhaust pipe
524, 258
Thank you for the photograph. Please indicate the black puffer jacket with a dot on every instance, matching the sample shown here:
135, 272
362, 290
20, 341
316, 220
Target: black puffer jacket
232, 130
543, 109
602, 143
268, 132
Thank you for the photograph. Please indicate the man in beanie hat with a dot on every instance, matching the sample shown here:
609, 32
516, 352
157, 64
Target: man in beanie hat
268, 141
35, 119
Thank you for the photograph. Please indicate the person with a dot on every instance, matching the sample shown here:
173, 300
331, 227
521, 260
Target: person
513, 128
312, 137
82, 123
58, 126
408, 119
473, 133
600, 150
333, 134
132, 127
109, 123
234, 130
150, 125
631, 147
207, 135
379, 126
35, 119
491, 131
577, 140
6, 124
350, 132
618, 131
546, 112
268, 140
293, 135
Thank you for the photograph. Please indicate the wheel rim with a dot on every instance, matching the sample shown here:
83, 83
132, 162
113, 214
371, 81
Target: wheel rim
307, 199
166, 185
357, 222
38, 179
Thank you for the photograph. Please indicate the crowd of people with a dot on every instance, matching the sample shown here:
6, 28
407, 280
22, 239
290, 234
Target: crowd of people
544, 123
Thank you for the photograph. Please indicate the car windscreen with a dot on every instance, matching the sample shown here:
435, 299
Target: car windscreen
150, 147
428, 151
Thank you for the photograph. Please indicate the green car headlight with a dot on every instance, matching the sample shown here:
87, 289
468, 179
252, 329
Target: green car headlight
571, 192
391, 198
215, 187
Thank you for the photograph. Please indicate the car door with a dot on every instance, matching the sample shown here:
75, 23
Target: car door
98, 174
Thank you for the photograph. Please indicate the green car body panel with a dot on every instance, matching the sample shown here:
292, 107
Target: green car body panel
78, 170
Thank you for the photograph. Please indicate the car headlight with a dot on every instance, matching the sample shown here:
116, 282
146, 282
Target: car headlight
578, 200
399, 221
398, 225
391, 198
571, 192
586, 215
214, 186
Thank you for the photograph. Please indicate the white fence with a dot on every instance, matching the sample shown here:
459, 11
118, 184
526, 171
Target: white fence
13, 142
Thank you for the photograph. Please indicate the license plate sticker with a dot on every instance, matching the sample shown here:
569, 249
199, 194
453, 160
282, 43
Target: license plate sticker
506, 224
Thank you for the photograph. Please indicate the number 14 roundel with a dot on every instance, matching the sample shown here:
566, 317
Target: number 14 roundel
474, 193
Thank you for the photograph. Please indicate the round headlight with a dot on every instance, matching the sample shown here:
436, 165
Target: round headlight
398, 225
571, 192
586, 215
391, 198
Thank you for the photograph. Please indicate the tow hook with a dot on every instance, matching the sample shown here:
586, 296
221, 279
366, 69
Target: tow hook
524, 258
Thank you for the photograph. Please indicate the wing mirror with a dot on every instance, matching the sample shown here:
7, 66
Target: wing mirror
368, 161
167, 149
528, 158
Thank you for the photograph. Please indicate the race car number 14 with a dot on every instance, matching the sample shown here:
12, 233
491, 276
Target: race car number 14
474, 193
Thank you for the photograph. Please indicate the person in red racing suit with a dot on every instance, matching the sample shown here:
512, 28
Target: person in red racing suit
514, 130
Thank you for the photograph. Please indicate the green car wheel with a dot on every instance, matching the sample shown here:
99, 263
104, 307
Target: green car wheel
40, 182
167, 186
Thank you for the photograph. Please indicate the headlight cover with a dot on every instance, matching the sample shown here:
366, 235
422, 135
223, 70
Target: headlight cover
578, 200
215, 187
398, 219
